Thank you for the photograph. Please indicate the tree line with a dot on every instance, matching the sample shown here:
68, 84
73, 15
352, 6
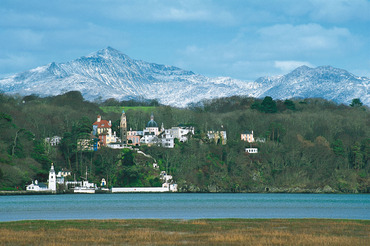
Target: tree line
310, 144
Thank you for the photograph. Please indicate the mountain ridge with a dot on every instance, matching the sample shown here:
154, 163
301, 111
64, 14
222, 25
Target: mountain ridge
108, 73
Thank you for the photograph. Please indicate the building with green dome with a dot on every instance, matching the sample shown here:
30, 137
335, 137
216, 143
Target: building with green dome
151, 127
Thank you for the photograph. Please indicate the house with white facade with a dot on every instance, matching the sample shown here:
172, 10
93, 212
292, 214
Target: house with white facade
36, 186
182, 132
166, 139
53, 141
251, 150
149, 140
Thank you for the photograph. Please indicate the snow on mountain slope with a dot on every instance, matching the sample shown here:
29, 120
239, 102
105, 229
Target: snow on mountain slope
108, 73
323, 82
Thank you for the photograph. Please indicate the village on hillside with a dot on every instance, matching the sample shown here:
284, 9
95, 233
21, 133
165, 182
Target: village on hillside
152, 135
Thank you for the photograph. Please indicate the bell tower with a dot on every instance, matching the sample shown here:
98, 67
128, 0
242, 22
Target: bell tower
123, 128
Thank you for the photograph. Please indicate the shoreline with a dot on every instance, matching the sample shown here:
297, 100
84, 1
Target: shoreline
276, 191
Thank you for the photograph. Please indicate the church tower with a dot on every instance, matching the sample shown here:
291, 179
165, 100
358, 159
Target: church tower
52, 179
123, 127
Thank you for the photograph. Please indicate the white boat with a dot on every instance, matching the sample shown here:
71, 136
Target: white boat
84, 189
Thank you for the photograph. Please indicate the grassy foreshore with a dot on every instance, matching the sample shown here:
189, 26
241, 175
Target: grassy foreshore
187, 232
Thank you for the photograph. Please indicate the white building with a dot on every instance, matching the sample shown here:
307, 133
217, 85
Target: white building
61, 175
181, 133
150, 133
151, 127
166, 178
72, 184
170, 187
64, 173
52, 183
116, 145
167, 140
53, 141
251, 150
149, 140
36, 186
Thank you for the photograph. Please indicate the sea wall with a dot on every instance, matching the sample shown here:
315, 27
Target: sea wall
139, 189
23, 192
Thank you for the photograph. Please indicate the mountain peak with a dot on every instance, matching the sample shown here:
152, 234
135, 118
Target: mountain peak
305, 70
108, 73
301, 69
108, 52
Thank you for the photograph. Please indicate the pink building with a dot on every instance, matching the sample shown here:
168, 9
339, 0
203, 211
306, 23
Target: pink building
133, 137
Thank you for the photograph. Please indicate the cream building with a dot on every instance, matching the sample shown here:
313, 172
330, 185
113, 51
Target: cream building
247, 136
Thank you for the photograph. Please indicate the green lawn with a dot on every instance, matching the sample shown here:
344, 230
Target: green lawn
118, 109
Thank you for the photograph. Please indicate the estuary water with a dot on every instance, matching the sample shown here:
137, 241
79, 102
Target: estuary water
183, 206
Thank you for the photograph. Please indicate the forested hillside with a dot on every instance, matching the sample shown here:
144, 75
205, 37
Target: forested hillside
312, 145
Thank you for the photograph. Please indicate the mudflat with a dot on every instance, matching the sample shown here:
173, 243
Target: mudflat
186, 232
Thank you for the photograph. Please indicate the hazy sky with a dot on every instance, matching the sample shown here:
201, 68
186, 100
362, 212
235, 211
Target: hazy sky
237, 38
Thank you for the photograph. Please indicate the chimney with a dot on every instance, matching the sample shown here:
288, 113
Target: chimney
99, 118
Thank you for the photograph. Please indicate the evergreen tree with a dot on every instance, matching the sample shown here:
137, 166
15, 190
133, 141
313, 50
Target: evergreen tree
268, 105
289, 104
356, 103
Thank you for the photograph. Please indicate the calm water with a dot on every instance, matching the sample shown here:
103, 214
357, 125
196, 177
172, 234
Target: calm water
183, 206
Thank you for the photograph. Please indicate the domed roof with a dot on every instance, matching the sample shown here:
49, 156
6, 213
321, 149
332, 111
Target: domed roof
152, 123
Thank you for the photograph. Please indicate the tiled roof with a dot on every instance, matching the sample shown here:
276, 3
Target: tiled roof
102, 124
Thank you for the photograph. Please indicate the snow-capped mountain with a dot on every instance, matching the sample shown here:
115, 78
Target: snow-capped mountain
323, 82
111, 74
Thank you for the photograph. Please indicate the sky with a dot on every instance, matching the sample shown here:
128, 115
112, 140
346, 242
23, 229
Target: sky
242, 39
